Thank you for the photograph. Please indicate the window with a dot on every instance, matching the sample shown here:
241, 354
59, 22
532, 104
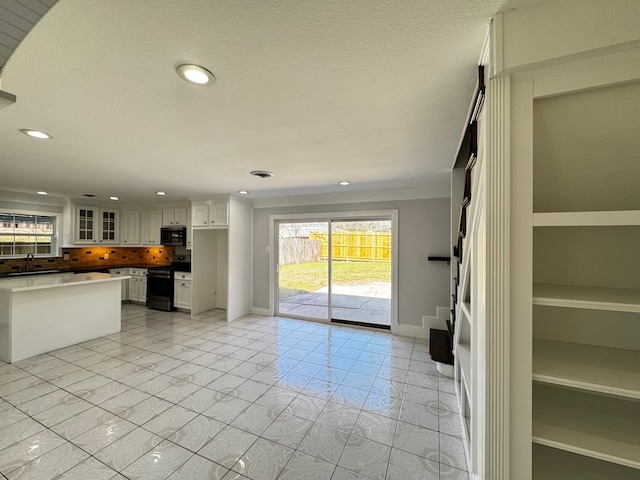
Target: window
21, 234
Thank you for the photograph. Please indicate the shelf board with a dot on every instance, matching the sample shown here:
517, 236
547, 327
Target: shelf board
595, 426
599, 369
553, 464
587, 219
593, 298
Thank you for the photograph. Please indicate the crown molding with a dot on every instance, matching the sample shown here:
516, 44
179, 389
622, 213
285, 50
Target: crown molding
354, 197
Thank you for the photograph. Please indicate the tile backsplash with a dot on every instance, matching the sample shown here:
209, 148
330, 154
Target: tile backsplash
93, 257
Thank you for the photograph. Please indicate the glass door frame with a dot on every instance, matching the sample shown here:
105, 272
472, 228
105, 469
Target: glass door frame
274, 219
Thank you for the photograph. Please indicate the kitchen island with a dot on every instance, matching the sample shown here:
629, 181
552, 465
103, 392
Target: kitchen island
42, 313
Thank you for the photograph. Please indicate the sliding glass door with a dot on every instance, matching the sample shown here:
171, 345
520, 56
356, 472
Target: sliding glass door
361, 271
335, 270
302, 272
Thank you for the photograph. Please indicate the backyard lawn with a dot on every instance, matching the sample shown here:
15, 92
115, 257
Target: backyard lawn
312, 276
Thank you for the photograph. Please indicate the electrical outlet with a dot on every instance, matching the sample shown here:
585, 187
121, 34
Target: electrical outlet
106, 256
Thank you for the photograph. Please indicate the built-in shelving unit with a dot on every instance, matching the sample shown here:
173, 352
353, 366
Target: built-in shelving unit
586, 290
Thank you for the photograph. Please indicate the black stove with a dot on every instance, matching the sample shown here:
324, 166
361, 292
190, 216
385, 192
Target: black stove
160, 288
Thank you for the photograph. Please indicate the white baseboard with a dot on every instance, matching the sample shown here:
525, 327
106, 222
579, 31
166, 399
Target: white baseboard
428, 322
261, 311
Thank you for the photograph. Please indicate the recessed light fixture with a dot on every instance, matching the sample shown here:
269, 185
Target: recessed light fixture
243, 192
114, 198
195, 74
344, 183
90, 195
42, 193
161, 193
36, 134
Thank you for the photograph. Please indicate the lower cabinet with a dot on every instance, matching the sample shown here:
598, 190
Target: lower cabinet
134, 289
138, 285
121, 272
182, 290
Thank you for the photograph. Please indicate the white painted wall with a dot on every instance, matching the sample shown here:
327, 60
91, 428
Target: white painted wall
240, 253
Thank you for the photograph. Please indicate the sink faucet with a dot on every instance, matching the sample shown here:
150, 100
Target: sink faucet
28, 261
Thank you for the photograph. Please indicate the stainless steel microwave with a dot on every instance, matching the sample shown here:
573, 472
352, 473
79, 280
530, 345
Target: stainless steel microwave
173, 236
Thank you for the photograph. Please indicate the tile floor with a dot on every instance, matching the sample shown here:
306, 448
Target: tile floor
180, 397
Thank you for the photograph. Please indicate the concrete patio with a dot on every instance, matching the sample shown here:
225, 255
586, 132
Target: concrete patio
369, 303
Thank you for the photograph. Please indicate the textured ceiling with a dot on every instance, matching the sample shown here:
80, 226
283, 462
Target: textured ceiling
17, 18
316, 92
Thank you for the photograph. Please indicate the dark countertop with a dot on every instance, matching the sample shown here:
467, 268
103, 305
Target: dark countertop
104, 269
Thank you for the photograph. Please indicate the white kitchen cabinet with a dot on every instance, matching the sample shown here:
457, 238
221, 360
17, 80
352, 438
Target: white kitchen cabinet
219, 213
200, 215
138, 285
96, 225
182, 290
130, 227
174, 217
121, 272
210, 214
151, 225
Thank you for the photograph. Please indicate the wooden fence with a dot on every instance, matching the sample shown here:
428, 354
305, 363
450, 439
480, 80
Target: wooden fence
356, 246
298, 250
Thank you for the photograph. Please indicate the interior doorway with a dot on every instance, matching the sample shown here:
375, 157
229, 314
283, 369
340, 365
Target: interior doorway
338, 270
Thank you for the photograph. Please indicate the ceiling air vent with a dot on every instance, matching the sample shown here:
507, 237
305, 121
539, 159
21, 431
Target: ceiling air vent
261, 174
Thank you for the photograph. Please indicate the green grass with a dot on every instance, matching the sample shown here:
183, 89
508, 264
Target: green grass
311, 276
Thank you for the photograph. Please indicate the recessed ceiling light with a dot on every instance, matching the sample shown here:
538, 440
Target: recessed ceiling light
195, 74
36, 133
243, 192
42, 193
90, 195
161, 193
344, 183
114, 198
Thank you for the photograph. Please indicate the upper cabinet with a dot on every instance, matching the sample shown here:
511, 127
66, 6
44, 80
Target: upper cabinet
174, 217
130, 227
151, 225
96, 225
210, 214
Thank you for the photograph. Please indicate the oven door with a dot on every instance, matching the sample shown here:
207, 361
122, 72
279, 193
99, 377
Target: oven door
160, 292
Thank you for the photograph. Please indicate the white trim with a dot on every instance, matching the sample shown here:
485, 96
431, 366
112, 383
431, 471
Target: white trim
355, 197
497, 338
428, 322
261, 311
327, 216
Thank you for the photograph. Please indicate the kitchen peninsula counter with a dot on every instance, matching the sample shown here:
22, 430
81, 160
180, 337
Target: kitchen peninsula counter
42, 313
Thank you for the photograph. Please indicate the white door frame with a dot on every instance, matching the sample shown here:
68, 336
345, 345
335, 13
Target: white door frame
328, 217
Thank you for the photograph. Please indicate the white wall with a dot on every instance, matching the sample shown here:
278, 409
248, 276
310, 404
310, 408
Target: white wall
423, 230
239, 273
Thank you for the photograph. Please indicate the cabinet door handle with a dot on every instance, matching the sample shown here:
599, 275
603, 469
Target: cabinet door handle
182, 284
